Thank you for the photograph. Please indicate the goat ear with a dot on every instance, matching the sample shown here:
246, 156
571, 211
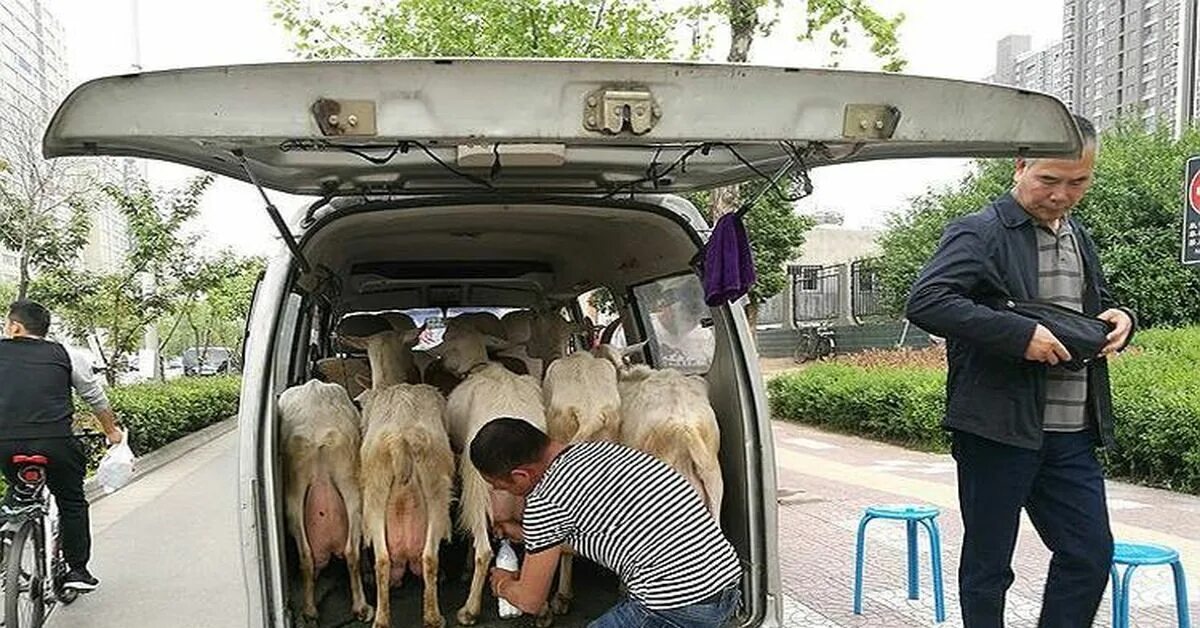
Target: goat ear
411, 336
494, 343
353, 341
633, 348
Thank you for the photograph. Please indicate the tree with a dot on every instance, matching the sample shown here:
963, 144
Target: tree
479, 28
215, 312
116, 308
44, 204
8, 294
1132, 212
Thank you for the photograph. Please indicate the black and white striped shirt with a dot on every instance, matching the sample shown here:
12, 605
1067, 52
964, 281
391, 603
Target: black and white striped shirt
631, 513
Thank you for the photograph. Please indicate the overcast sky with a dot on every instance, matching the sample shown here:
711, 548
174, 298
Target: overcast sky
949, 38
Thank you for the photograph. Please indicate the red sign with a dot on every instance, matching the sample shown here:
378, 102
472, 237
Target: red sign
1194, 192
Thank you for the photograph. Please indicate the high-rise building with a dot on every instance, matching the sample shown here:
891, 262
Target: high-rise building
1117, 59
33, 80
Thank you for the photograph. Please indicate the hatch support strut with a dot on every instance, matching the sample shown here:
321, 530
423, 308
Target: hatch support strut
274, 213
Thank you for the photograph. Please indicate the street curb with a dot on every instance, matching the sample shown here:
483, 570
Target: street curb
168, 453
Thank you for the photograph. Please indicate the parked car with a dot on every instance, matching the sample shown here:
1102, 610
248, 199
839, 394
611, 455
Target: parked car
208, 361
522, 184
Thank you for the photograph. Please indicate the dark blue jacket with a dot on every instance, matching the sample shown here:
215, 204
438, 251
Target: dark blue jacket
991, 389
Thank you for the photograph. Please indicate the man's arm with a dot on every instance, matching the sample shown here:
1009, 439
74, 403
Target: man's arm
531, 588
939, 301
83, 380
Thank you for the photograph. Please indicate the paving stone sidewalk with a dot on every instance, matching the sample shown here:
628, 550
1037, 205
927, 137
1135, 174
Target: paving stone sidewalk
825, 482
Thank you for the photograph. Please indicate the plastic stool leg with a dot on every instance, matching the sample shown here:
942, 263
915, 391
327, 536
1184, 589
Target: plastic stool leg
1125, 579
935, 553
914, 579
858, 563
1181, 598
1116, 597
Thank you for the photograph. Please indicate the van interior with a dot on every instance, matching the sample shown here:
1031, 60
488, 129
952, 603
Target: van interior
433, 260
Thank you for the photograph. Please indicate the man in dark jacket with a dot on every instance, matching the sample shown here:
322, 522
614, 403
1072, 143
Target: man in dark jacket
35, 418
1024, 428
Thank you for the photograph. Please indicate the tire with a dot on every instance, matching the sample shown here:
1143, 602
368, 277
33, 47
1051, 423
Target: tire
805, 349
824, 347
31, 599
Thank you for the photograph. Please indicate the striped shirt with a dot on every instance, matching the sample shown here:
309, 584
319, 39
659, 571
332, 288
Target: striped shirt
631, 513
1060, 280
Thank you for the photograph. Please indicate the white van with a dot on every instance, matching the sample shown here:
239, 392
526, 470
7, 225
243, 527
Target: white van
452, 183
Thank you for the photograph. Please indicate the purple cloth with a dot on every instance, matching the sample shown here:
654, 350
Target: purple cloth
728, 265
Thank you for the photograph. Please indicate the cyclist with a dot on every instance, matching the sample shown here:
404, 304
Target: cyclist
35, 418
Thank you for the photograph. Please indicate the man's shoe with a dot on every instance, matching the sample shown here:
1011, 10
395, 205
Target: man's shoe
80, 580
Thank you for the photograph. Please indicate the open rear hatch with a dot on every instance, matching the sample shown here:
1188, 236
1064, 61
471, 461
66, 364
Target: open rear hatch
417, 126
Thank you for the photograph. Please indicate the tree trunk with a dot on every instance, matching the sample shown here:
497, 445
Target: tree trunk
23, 276
743, 21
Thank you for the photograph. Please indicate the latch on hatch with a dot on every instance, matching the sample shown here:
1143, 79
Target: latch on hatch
612, 110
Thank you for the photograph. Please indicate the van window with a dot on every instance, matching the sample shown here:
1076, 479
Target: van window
677, 323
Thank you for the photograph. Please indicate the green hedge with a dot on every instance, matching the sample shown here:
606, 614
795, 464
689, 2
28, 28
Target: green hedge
1156, 398
156, 413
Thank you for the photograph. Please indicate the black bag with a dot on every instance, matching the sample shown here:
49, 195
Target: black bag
1084, 336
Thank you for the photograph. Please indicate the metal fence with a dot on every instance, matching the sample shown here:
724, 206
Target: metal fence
865, 301
814, 293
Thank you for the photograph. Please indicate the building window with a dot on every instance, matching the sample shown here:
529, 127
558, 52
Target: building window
807, 278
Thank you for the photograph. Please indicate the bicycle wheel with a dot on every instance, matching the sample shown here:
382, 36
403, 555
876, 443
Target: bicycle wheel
804, 349
24, 602
824, 347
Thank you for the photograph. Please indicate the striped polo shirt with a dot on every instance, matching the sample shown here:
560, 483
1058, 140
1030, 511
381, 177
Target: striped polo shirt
631, 513
1060, 281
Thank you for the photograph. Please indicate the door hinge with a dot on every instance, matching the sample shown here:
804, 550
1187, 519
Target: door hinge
344, 117
870, 122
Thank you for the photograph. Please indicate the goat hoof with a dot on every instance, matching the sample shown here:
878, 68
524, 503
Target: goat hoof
466, 617
560, 605
307, 620
545, 620
434, 621
364, 614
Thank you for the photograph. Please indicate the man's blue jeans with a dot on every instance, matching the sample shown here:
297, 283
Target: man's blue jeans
630, 613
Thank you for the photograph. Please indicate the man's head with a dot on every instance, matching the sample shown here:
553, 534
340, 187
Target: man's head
1049, 188
510, 454
27, 318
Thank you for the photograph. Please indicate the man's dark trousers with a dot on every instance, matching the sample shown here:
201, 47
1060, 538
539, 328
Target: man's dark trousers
1061, 488
64, 477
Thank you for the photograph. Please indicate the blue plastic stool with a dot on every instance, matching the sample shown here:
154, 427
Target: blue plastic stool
911, 516
1134, 555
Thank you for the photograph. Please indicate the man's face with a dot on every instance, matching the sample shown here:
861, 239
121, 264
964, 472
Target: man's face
518, 482
1049, 188
12, 329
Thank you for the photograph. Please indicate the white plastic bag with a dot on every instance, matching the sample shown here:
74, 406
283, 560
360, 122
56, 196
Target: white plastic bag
116, 467
507, 559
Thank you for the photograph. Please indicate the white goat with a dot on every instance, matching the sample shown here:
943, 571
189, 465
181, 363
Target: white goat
353, 374
667, 414
582, 404
407, 468
319, 430
489, 391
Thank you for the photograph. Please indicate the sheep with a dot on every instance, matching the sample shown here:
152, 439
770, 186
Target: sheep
667, 414
407, 468
319, 431
582, 404
488, 391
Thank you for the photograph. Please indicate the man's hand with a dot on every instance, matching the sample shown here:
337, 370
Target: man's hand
1120, 334
501, 577
114, 435
510, 530
1044, 347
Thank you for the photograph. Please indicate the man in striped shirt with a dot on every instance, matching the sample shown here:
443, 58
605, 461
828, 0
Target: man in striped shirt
620, 508
1024, 427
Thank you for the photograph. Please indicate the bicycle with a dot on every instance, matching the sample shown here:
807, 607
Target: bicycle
30, 547
815, 343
